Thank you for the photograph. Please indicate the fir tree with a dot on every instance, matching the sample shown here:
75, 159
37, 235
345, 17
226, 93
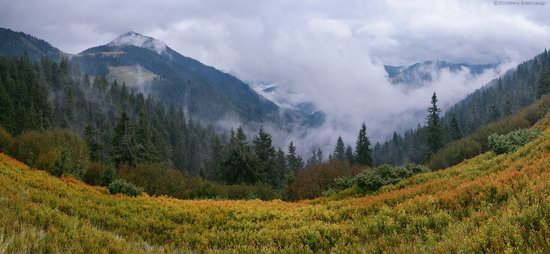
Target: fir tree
124, 147
144, 137
265, 153
240, 166
281, 168
339, 150
295, 161
543, 79
433, 128
363, 153
454, 129
349, 154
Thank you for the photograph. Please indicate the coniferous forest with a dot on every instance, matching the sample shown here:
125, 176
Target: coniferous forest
132, 147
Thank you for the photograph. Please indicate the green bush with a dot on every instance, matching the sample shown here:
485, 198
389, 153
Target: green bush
60, 152
510, 142
372, 180
123, 187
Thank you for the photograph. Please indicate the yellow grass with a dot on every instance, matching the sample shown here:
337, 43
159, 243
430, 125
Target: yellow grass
495, 204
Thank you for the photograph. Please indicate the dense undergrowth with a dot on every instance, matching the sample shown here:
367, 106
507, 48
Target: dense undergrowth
490, 203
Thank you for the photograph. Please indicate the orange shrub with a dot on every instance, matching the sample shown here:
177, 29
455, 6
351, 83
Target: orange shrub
312, 181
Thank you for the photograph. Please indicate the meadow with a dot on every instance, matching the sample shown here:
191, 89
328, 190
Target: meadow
488, 204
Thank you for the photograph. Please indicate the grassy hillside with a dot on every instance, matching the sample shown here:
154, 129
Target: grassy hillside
497, 204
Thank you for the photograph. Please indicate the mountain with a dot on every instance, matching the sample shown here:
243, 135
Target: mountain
498, 99
491, 203
206, 93
420, 74
17, 43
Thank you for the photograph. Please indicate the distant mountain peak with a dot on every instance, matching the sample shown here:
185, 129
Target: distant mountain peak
138, 40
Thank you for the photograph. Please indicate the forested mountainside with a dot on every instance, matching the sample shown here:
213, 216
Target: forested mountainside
17, 43
501, 97
203, 91
48, 95
419, 74
122, 127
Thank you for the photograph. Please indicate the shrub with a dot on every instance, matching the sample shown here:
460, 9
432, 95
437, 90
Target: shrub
161, 179
372, 180
510, 142
6, 141
60, 152
313, 181
97, 173
123, 187
455, 153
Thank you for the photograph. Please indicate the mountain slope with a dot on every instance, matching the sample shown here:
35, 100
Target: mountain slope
490, 204
517, 88
17, 43
419, 74
205, 92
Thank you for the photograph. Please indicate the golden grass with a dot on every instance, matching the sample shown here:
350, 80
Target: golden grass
496, 204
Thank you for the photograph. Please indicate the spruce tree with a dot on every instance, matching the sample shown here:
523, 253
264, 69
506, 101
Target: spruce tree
295, 161
124, 147
339, 150
93, 139
265, 153
240, 166
363, 153
144, 136
319, 156
433, 128
281, 168
543, 80
454, 129
349, 154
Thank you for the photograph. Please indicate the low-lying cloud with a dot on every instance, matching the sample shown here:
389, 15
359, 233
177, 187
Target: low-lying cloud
330, 52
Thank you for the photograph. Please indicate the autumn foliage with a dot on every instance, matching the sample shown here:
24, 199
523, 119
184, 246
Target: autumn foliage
487, 204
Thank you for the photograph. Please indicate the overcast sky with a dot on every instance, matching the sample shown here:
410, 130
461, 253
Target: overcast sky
332, 51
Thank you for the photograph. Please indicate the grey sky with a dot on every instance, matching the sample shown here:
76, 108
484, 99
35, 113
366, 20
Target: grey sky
332, 51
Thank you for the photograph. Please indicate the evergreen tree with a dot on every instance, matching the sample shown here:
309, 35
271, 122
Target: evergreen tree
319, 156
240, 166
146, 150
295, 161
339, 150
281, 168
433, 128
454, 129
124, 146
363, 153
543, 79
94, 142
349, 154
265, 153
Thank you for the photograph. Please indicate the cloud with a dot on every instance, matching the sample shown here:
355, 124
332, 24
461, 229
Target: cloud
330, 52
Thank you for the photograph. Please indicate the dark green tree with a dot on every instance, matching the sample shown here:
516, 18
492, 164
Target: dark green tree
363, 153
146, 150
241, 165
543, 79
281, 168
349, 154
454, 129
339, 150
295, 161
93, 139
124, 145
265, 153
433, 127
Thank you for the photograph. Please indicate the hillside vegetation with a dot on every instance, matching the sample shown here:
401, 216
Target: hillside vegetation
490, 203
